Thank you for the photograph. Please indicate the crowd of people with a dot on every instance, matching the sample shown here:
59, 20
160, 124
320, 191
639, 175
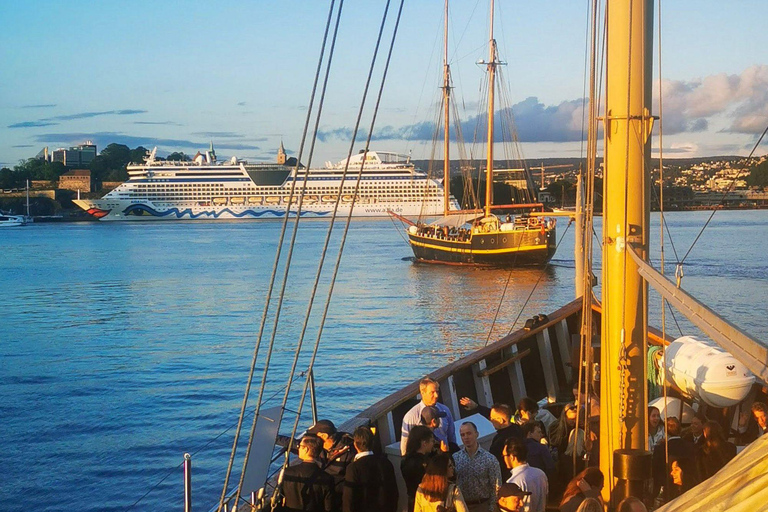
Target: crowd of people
534, 460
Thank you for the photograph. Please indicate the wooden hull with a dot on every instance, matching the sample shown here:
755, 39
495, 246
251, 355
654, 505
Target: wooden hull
500, 248
534, 363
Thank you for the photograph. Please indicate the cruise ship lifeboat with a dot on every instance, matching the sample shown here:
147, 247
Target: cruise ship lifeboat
704, 371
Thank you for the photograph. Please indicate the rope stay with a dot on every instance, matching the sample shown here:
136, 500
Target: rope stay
289, 257
331, 226
278, 252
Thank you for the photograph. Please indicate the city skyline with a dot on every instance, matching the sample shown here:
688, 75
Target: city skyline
239, 75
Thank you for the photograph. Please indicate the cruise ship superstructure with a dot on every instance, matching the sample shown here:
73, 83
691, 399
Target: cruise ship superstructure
207, 189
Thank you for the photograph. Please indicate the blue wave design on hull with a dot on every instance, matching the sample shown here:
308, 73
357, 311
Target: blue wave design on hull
214, 214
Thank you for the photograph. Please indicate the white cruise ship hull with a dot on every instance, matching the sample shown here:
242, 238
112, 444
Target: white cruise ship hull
208, 190
108, 210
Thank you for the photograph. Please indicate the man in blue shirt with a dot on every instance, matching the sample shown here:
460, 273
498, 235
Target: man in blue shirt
445, 430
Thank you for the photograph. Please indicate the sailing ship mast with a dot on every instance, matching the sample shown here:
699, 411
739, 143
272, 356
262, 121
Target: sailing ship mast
446, 122
492, 63
624, 458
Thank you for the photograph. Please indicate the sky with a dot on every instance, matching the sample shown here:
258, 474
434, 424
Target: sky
180, 75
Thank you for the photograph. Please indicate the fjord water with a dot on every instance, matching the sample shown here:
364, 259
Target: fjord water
125, 345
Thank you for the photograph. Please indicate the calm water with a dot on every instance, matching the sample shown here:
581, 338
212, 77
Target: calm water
126, 345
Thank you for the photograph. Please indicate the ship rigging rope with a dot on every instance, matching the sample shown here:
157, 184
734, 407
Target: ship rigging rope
277, 261
193, 454
725, 194
528, 299
342, 243
289, 259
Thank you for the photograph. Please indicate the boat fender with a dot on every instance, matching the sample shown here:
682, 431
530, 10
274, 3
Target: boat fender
707, 372
412, 230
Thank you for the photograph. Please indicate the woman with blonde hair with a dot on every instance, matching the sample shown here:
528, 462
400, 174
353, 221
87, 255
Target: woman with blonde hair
436, 493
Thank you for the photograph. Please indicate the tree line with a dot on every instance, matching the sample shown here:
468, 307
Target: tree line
109, 165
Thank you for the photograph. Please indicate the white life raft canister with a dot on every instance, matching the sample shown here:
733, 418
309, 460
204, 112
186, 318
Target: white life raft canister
702, 370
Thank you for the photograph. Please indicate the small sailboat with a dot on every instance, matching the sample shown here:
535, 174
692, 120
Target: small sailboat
479, 237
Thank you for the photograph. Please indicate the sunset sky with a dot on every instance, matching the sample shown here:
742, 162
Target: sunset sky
178, 75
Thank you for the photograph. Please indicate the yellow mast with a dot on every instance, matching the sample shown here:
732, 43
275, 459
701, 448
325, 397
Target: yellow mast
623, 424
446, 122
491, 86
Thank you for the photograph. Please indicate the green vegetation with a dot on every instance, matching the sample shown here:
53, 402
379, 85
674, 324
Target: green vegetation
30, 169
109, 165
758, 176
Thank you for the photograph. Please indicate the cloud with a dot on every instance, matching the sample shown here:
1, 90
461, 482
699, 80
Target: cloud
741, 100
87, 115
31, 124
236, 146
224, 135
168, 123
241, 104
535, 122
102, 139
45, 105
23, 146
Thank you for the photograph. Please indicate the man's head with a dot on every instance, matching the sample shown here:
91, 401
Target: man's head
532, 430
430, 417
469, 434
310, 447
501, 416
631, 504
515, 452
429, 390
528, 409
325, 430
673, 426
363, 439
759, 411
511, 498
697, 424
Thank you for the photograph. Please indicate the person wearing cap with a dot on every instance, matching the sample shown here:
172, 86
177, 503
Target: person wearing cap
338, 453
477, 471
305, 486
511, 498
528, 478
444, 431
369, 483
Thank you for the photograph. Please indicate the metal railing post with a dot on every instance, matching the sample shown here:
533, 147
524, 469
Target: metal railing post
187, 482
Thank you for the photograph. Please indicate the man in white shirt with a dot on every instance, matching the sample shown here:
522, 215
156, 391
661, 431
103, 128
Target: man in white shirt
528, 478
445, 432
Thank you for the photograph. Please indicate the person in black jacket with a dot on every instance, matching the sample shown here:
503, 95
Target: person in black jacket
716, 452
369, 483
306, 487
539, 455
419, 450
678, 449
695, 432
338, 453
500, 415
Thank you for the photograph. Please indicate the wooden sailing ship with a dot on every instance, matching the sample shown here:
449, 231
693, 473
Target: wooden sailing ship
479, 237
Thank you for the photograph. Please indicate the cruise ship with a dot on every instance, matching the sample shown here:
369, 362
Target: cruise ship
207, 189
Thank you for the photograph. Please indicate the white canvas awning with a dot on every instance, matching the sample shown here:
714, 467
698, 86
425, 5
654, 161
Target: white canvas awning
741, 486
455, 221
